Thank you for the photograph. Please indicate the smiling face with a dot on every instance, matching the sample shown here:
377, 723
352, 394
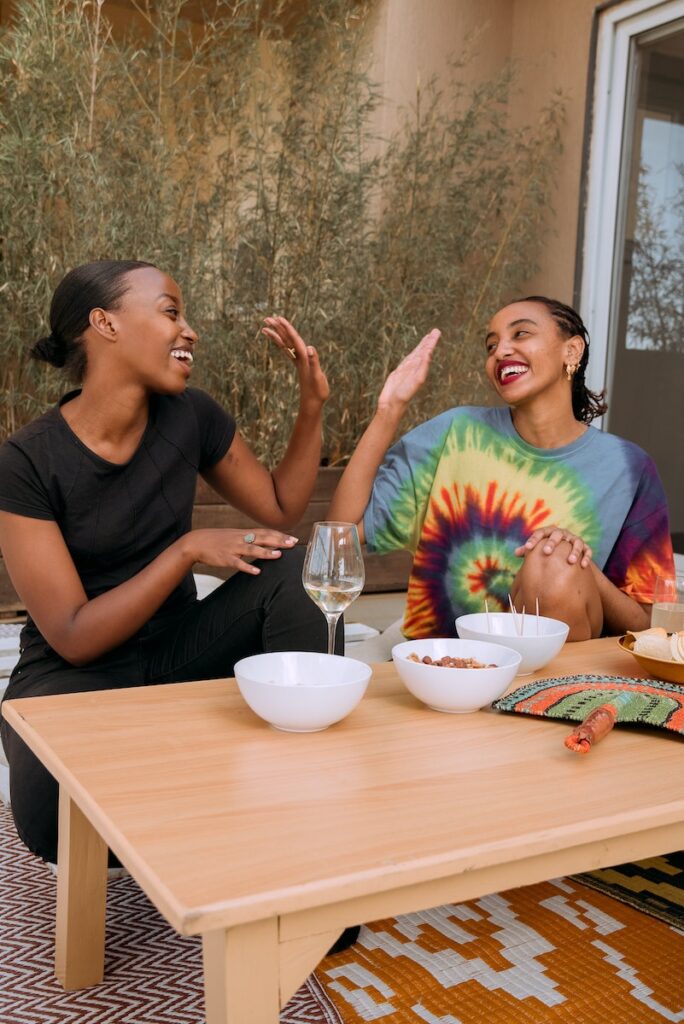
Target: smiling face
151, 341
527, 354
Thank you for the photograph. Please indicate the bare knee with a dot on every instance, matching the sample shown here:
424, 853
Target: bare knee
564, 591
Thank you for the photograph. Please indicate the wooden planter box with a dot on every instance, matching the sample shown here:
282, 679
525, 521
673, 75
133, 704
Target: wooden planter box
383, 573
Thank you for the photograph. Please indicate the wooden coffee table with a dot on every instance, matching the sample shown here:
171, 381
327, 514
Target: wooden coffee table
268, 844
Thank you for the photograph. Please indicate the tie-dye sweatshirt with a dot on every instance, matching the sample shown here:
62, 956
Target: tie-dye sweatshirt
463, 490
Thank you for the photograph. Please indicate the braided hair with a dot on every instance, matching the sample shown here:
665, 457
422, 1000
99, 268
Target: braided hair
87, 287
586, 404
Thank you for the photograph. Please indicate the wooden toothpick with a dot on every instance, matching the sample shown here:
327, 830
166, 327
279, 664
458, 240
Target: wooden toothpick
514, 613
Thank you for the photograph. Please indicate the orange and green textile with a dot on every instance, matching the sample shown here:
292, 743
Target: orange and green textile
651, 702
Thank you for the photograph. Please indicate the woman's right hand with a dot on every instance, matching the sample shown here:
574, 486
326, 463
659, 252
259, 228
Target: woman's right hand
81, 628
409, 376
229, 549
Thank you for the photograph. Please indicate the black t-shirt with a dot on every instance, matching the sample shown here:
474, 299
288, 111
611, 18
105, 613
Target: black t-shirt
116, 519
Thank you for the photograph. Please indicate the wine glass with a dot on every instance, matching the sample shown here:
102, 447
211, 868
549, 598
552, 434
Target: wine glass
333, 571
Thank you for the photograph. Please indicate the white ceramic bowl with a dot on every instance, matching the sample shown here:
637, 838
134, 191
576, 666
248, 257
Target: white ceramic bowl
535, 650
456, 690
299, 691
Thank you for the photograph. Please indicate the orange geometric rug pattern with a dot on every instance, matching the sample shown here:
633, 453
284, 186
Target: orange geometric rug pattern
554, 952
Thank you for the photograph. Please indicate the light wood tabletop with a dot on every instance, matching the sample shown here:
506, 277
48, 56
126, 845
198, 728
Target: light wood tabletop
268, 844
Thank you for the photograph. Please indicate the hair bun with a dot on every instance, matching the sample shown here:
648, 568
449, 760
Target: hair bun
50, 350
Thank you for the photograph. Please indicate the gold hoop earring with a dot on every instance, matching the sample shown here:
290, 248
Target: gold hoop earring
570, 369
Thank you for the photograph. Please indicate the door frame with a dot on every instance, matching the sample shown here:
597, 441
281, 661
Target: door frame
603, 221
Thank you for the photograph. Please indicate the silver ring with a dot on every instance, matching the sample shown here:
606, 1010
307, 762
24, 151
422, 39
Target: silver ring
249, 538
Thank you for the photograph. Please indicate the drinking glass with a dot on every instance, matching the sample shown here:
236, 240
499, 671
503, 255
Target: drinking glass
333, 571
668, 603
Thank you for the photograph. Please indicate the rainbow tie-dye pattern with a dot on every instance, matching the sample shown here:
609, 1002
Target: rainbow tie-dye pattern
464, 490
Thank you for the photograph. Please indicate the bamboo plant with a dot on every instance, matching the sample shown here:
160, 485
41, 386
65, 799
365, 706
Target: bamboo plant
238, 153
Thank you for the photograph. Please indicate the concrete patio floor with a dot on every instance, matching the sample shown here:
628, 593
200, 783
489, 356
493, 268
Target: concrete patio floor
378, 610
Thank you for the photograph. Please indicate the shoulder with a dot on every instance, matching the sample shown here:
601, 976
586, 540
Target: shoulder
617, 443
187, 400
630, 472
627, 452
33, 431
196, 398
30, 462
196, 424
442, 424
192, 405
462, 426
461, 416
469, 413
193, 402
30, 440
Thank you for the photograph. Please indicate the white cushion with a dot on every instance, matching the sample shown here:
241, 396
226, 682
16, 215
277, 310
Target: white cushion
378, 648
206, 583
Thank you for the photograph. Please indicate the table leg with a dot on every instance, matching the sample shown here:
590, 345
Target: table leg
81, 898
241, 974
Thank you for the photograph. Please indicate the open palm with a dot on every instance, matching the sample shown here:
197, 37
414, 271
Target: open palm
313, 384
408, 378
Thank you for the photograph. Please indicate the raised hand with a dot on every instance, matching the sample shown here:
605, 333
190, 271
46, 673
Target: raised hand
313, 384
408, 378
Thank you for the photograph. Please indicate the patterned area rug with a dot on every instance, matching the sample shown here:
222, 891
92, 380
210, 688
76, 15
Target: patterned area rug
552, 952
555, 952
655, 886
152, 975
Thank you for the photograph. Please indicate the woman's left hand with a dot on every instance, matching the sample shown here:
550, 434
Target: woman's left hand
313, 383
554, 535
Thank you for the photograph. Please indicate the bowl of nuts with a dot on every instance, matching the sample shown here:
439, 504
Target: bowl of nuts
456, 676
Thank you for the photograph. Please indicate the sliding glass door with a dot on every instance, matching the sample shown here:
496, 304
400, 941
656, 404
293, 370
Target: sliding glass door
632, 288
646, 389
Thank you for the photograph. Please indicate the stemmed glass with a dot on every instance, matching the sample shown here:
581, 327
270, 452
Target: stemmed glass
333, 571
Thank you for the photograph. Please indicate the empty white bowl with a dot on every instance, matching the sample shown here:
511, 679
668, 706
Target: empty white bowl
535, 650
455, 690
300, 691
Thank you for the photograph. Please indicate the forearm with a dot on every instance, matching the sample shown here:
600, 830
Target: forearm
620, 611
110, 619
354, 489
295, 475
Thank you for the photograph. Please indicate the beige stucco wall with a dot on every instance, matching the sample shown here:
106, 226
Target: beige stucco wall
548, 42
550, 47
414, 40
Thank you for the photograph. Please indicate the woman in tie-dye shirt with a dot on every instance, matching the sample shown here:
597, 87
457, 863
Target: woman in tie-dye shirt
527, 499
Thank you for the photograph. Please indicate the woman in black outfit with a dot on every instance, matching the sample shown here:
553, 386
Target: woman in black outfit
96, 502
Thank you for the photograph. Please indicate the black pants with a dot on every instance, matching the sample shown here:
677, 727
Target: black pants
246, 615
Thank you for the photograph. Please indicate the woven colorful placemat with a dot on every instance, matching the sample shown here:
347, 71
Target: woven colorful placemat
641, 701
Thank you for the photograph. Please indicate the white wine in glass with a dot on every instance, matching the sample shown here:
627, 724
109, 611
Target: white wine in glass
333, 573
